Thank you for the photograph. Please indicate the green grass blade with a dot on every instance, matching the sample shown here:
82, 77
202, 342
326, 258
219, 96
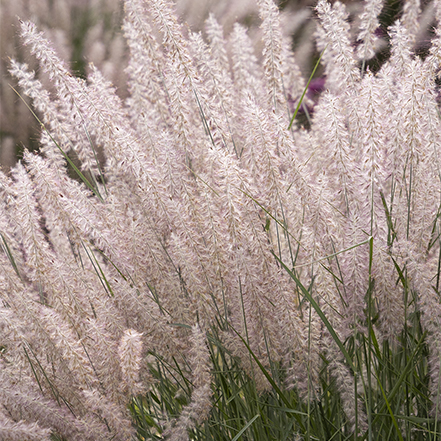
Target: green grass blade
98, 270
245, 427
320, 313
8, 252
394, 421
306, 89
268, 376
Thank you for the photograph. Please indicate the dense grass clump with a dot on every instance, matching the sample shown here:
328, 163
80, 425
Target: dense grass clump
195, 264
